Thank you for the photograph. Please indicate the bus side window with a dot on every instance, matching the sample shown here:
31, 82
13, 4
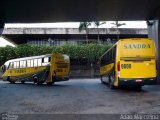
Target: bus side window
107, 57
28, 63
45, 60
39, 62
14, 65
24, 64
17, 65
8, 66
21, 64
11, 65
32, 62
114, 53
35, 62
49, 59
102, 61
110, 56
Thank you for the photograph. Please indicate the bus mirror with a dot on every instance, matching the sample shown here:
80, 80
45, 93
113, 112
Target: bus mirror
3, 68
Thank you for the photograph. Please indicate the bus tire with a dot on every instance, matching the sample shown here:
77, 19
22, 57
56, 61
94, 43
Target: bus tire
102, 80
22, 81
111, 86
12, 82
39, 83
9, 79
49, 83
139, 88
35, 79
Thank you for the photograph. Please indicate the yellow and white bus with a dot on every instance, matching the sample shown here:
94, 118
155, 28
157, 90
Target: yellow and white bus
129, 62
39, 69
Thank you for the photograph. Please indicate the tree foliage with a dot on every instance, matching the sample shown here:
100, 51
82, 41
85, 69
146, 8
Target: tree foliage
84, 26
98, 24
117, 24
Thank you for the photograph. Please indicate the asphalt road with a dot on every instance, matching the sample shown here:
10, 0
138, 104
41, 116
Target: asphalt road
77, 96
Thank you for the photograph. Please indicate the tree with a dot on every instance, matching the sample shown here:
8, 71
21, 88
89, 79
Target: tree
117, 25
97, 24
84, 26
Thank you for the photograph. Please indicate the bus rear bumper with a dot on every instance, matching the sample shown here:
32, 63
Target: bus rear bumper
59, 79
137, 81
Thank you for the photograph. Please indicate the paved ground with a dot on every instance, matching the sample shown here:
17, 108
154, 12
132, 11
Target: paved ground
87, 96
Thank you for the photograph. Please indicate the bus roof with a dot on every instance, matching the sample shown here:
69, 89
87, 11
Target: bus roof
135, 39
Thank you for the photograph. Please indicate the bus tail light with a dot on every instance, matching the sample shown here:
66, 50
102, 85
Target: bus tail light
118, 66
54, 73
156, 64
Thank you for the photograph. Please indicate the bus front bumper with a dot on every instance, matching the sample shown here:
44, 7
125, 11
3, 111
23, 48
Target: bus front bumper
137, 81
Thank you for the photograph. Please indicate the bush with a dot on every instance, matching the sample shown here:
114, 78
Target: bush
91, 51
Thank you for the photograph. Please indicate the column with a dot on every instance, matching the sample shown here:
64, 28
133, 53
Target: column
154, 33
1, 27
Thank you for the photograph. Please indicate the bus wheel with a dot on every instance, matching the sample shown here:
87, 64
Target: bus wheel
22, 81
49, 83
139, 88
39, 83
111, 86
35, 79
102, 80
9, 79
12, 82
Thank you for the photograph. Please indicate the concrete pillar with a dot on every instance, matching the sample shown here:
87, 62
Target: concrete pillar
154, 33
1, 27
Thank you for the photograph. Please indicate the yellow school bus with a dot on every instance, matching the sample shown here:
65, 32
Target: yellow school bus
39, 69
129, 62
